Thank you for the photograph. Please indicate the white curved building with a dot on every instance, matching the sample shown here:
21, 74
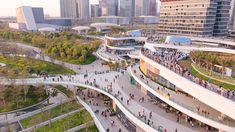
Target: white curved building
158, 72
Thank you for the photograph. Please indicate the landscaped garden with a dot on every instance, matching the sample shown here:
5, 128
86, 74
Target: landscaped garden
65, 46
20, 67
17, 97
67, 123
64, 90
211, 67
49, 114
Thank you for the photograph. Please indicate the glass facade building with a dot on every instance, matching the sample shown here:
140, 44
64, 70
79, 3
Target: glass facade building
196, 18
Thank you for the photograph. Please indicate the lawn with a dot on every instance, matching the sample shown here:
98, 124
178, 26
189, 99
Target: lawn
187, 63
90, 59
64, 90
89, 129
66, 123
17, 97
216, 76
16, 66
52, 113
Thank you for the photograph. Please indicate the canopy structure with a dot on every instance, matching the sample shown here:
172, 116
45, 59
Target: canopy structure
178, 40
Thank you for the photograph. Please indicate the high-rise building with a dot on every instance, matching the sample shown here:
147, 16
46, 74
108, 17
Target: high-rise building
138, 7
222, 18
109, 7
197, 18
149, 8
232, 15
145, 8
68, 8
26, 15
83, 9
125, 8
32, 19
95, 10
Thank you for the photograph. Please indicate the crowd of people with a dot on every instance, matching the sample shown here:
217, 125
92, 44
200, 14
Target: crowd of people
170, 57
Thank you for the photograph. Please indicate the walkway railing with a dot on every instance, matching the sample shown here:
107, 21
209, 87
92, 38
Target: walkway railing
132, 116
221, 91
148, 84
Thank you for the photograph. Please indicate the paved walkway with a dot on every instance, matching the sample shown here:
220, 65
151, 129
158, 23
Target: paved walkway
135, 106
184, 100
106, 56
106, 121
104, 80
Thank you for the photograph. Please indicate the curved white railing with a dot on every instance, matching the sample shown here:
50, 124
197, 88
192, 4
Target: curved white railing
96, 120
218, 102
181, 108
192, 48
131, 116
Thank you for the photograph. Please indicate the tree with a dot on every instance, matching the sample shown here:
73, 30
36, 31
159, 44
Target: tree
212, 59
224, 63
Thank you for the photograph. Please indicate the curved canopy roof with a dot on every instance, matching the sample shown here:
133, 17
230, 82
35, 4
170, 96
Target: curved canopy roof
103, 25
79, 28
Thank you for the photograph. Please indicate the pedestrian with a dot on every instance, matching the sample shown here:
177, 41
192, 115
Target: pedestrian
119, 130
176, 130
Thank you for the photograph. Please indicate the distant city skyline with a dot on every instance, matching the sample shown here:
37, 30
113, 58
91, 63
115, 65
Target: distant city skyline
51, 7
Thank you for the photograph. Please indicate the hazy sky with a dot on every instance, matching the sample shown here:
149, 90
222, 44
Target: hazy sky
51, 7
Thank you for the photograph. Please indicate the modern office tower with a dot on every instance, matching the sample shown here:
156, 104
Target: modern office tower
68, 8
232, 15
197, 18
25, 15
145, 8
149, 8
222, 18
125, 8
138, 7
83, 9
38, 14
109, 7
32, 19
95, 10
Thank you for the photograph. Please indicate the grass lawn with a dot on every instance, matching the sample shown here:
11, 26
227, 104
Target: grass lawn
206, 72
89, 129
15, 66
13, 97
88, 61
187, 63
52, 113
66, 123
64, 90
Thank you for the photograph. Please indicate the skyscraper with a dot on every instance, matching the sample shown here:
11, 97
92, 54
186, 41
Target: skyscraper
232, 16
222, 18
151, 8
138, 7
190, 17
68, 8
109, 7
145, 8
125, 8
83, 9
29, 16
95, 10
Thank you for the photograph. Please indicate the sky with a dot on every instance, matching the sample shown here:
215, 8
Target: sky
51, 7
